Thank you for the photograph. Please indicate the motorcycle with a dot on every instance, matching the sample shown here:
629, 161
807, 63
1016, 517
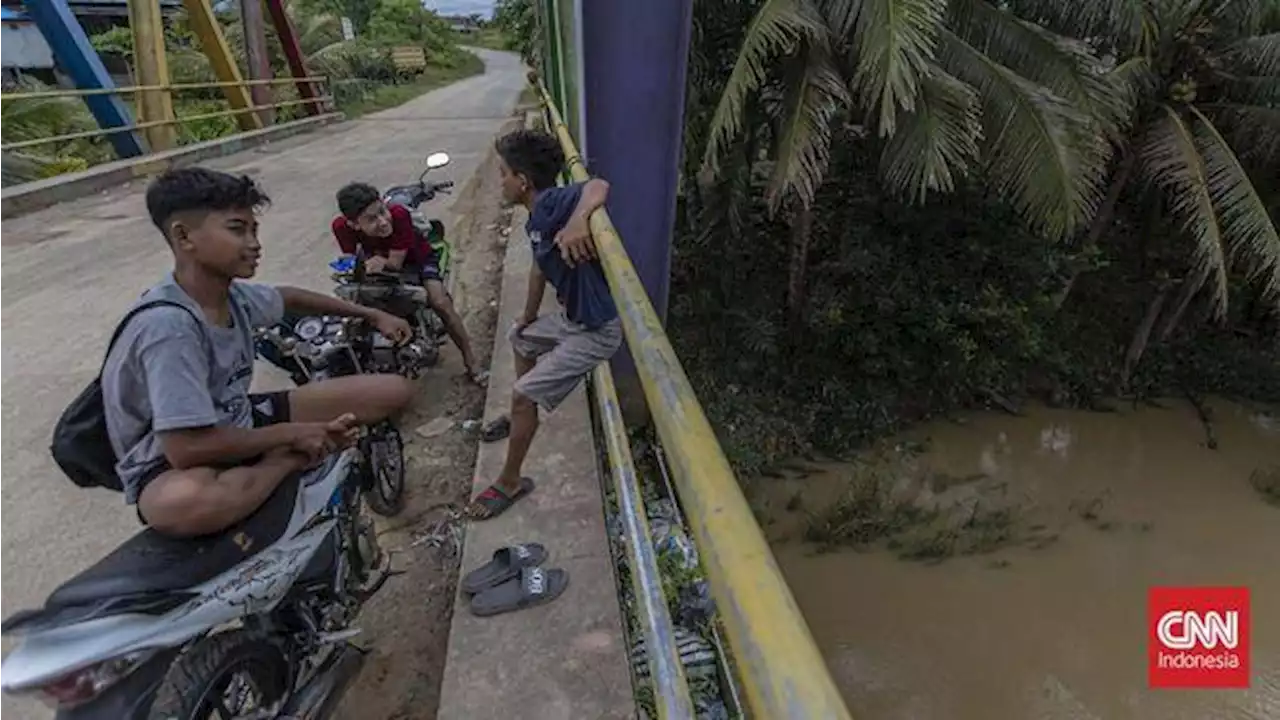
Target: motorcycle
253, 623
402, 296
318, 348
397, 293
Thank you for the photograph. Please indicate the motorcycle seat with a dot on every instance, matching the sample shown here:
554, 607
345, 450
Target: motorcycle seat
153, 564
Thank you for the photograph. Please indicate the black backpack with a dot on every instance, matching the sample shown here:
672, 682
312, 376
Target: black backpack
81, 446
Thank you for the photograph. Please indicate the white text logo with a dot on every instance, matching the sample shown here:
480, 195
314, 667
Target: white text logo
1186, 629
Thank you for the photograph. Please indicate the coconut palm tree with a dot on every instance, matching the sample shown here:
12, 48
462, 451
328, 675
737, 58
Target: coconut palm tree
949, 88
1206, 74
945, 88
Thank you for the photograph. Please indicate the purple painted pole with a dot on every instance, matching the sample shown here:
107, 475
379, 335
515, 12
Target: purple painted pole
634, 58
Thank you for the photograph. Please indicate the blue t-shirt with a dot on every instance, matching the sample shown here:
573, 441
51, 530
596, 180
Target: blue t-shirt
581, 289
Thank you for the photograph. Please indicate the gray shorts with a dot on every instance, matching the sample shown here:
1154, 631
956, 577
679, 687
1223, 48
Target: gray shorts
566, 352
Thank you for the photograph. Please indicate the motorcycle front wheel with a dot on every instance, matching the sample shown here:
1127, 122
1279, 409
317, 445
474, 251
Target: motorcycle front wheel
384, 457
228, 675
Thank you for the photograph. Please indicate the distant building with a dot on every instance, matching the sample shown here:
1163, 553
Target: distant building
24, 49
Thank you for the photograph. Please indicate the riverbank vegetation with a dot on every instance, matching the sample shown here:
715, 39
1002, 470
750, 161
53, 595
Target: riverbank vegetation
362, 76
892, 211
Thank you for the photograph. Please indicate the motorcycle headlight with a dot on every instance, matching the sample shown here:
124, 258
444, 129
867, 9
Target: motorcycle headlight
309, 328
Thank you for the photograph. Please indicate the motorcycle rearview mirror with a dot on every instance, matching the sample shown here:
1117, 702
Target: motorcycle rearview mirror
437, 160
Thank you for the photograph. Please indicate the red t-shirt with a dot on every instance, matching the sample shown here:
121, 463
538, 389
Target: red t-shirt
402, 237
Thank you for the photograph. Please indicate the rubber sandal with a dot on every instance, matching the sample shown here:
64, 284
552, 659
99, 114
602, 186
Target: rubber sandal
506, 564
497, 430
479, 377
535, 586
493, 501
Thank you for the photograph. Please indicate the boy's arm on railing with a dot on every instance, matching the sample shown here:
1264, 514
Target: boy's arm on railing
574, 240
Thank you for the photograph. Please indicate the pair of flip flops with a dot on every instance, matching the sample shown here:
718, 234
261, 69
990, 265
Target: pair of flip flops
514, 580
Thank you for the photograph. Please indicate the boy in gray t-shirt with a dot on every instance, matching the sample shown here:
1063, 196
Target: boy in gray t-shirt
196, 452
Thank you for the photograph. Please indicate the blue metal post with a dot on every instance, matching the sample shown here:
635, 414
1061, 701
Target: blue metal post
634, 59
77, 57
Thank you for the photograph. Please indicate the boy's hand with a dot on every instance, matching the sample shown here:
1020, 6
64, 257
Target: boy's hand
375, 264
313, 441
343, 431
521, 323
574, 241
392, 327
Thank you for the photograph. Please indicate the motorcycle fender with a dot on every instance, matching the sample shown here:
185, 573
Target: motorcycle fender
131, 698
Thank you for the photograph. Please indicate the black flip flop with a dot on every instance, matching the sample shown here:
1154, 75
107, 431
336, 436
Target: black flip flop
495, 501
535, 586
497, 430
507, 563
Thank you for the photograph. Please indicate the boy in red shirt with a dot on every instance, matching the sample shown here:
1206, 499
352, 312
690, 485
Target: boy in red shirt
392, 245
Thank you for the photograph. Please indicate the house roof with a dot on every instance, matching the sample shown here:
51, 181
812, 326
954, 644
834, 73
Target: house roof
12, 10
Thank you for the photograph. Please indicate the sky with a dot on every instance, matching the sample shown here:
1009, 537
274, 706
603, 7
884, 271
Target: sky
461, 7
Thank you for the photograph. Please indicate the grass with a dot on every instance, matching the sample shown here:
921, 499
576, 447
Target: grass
387, 96
869, 515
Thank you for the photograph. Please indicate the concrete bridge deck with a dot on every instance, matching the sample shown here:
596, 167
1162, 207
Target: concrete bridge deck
70, 270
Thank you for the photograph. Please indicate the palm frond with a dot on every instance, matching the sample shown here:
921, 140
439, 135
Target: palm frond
1252, 89
1246, 225
1037, 144
1255, 129
937, 143
815, 97
1067, 67
1171, 160
1245, 17
1128, 24
894, 42
1134, 79
1257, 55
776, 30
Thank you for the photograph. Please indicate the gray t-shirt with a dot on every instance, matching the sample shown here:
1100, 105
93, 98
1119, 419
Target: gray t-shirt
168, 372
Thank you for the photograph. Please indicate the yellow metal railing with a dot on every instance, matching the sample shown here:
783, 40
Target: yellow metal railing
320, 101
778, 664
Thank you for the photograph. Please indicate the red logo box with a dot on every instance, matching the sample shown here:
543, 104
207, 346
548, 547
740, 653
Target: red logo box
1198, 637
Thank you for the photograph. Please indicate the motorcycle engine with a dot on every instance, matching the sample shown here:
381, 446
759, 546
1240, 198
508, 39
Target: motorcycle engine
416, 356
409, 359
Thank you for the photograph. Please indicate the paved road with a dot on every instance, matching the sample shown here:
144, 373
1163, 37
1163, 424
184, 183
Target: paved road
69, 272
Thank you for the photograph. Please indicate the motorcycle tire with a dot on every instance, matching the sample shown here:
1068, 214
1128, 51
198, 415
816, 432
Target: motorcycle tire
196, 685
384, 456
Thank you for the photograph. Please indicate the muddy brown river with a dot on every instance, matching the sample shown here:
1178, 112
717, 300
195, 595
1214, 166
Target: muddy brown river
1014, 585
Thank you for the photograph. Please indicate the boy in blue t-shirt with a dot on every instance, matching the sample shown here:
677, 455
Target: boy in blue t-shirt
553, 353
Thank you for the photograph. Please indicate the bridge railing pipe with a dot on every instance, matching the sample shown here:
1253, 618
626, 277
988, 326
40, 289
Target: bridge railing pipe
779, 666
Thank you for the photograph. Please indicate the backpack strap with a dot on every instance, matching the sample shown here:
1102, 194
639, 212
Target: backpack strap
130, 315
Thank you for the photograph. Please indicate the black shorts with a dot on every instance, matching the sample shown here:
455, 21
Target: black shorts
268, 409
420, 274
430, 271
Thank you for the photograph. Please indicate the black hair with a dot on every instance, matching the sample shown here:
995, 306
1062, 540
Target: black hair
197, 189
355, 197
534, 154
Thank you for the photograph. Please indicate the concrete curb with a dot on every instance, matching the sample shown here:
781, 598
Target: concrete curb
28, 197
